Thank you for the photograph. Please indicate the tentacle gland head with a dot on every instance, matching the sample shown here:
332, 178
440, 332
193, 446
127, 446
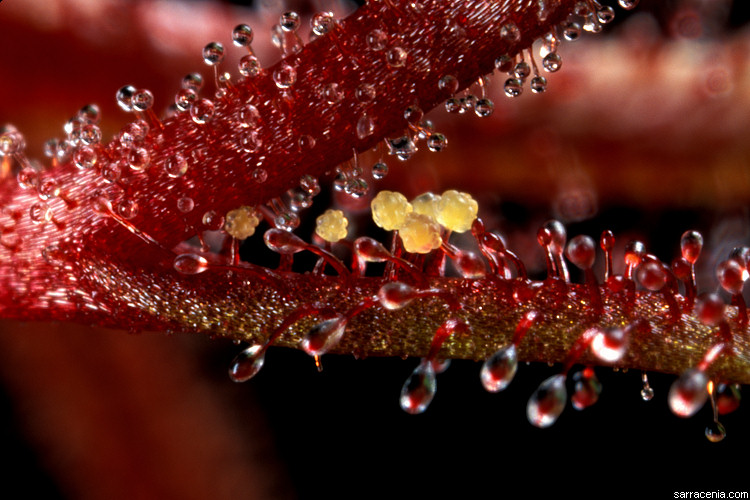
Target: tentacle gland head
208, 203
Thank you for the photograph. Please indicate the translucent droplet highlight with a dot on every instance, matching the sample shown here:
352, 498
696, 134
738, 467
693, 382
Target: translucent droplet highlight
247, 363
324, 336
688, 393
419, 389
547, 402
499, 369
189, 263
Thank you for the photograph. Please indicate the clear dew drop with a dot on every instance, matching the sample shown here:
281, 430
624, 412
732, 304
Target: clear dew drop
306, 142
396, 57
510, 33
499, 369
90, 134
111, 172
485, 107
647, 393
284, 76
310, 184
357, 187
547, 402
85, 158
48, 188
468, 102
538, 84
605, 15
202, 111
247, 363
51, 147
513, 87
298, 199
185, 204
124, 97
289, 21
715, 432
365, 126
453, 105
142, 100
127, 208
213, 220
376, 40
437, 142
192, 81
242, 35
138, 159
213, 53
403, 147
571, 31
259, 175
90, 114
287, 221
176, 165
419, 389
591, 24
249, 66
522, 70
189, 264
249, 116
688, 393
379, 170
133, 133
365, 93
586, 390
28, 178
322, 23
324, 336
448, 84
552, 62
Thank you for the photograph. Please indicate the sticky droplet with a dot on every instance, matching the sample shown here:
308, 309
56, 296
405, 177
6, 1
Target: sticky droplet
396, 57
688, 393
419, 389
324, 336
202, 111
547, 402
213, 53
587, 389
185, 204
247, 363
284, 76
609, 344
499, 369
365, 126
242, 35
396, 295
189, 264
176, 165
448, 84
